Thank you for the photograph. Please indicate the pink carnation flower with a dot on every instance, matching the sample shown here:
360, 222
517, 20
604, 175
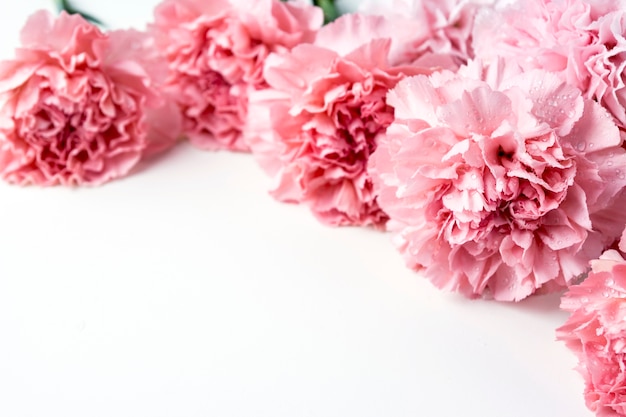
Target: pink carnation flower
317, 124
76, 103
216, 50
596, 333
440, 27
582, 41
499, 182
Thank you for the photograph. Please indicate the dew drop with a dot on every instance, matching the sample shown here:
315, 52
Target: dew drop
585, 300
610, 282
591, 145
605, 294
474, 176
580, 146
610, 163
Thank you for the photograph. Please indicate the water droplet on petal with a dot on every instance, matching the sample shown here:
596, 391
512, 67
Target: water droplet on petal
610, 282
585, 300
580, 146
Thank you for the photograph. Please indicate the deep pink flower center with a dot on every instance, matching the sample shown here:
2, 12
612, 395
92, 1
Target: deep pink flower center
359, 122
66, 128
514, 188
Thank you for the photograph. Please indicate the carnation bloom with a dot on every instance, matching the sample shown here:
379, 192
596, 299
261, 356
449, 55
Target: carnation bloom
499, 182
442, 27
582, 41
596, 333
75, 104
316, 125
216, 50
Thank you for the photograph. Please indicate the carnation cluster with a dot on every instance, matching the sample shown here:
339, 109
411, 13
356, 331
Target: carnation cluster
486, 136
324, 111
216, 51
504, 199
79, 106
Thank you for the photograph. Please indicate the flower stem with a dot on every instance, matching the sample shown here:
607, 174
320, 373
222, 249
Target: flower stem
65, 5
330, 11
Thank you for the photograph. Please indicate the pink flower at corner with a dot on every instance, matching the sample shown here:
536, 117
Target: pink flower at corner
315, 127
499, 182
581, 40
75, 104
216, 51
596, 333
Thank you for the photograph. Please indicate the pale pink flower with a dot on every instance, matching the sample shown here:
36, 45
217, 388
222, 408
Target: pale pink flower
75, 103
499, 182
216, 51
439, 27
316, 125
596, 333
582, 41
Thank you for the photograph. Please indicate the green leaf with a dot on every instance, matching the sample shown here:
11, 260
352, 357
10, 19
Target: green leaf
65, 5
330, 11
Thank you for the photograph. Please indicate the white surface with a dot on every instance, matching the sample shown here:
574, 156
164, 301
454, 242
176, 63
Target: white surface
186, 291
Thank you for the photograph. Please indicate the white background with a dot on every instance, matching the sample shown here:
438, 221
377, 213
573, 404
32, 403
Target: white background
186, 291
